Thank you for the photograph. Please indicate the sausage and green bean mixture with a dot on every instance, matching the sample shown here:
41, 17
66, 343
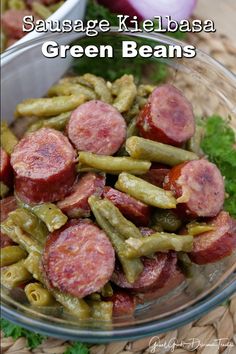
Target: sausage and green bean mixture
13, 12
107, 199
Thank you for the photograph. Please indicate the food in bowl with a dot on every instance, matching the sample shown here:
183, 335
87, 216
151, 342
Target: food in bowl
13, 12
111, 204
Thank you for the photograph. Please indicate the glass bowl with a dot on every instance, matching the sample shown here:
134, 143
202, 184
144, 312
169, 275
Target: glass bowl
211, 89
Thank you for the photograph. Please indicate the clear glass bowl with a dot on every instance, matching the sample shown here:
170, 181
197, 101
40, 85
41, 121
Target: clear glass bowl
211, 89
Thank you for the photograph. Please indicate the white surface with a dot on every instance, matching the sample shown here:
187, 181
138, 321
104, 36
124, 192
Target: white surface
222, 12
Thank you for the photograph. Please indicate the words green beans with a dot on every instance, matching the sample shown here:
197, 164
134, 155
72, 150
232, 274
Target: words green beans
47, 107
145, 192
113, 165
158, 242
131, 268
140, 148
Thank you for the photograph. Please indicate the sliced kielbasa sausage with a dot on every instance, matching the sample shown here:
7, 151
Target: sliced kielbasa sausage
6, 173
156, 174
199, 187
124, 303
154, 275
131, 208
167, 117
176, 278
12, 21
76, 204
78, 259
97, 127
214, 245
44, 166
6, 206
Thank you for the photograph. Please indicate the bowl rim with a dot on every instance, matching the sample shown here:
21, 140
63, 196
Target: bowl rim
151, 327
60, 14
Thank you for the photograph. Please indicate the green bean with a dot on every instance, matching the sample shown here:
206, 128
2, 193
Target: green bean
48, 107
8, 139
38, 295
29, 223
74, 305
49, 213
131, 268
195, 228
15, 275
59, 123
70, 88
18, 236
145, 192
11, 254
76, 80
145, 90
158, 242
55, 7
166, 219
94, 297
41, 10
113, 165
32, 264
125, 90
111, 213
4, 5
185, 264
132, 128
194, 143
140, 148
3, 189
3, 41
16, 5
100, 87
107, 290
101, 310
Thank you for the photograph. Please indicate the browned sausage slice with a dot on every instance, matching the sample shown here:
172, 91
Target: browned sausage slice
175, 279
154, 275
214, 245
124, 303
131, 208
44, 165
78, 259
6, 173
12, 22
76, 204
199, 186
156, 174
6, 206
97, 127
167, 117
